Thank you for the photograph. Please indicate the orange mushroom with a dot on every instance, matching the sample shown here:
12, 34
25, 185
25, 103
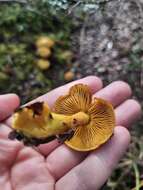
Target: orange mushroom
69, 75
81, 122
101, 122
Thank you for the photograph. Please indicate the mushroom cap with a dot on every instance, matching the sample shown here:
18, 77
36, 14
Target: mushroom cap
79, 99
69, 75
32, 120
102, 119
43, 64
45, 41
44, 52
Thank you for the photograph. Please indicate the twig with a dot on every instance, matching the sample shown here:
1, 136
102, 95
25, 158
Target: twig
137, 175
141, 185
82, 35
122, 176
74, 6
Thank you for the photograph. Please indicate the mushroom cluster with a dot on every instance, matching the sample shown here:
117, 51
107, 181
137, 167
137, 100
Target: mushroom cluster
80, 121
44, 45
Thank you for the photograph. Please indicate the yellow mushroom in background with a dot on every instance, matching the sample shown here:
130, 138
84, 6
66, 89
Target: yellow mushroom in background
69, 75
82, 122
43, 64
44, 41
44, 52
66, 55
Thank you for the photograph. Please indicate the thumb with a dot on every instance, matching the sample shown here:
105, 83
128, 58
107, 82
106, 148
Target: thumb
8, 103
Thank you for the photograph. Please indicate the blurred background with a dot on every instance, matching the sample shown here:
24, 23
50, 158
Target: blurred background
47, 43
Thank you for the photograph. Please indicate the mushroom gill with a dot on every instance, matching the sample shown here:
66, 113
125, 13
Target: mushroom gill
79, 99
101, 123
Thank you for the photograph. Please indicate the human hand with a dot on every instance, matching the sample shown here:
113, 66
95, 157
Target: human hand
57, 167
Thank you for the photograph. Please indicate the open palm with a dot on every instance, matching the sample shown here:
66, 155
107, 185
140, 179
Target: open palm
57, 167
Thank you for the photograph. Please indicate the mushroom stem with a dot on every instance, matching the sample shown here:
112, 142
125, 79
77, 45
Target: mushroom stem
80, 119
47, 124
64, 122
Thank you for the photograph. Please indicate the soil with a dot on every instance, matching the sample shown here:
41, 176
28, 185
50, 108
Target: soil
110, 42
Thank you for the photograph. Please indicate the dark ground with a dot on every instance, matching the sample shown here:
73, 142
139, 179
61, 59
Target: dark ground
110, 42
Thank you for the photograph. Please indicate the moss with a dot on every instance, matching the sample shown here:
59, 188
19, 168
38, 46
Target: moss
21, 25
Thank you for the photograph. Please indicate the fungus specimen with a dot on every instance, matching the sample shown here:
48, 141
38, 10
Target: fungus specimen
80, 121
44, 41
44, 52
68, 76
44, 47
43, 64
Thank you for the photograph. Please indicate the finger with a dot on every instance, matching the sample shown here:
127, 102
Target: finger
67, 159
8, 103
4, 131
127, 113
92, 81
47, 148
8, 149
97, 167
116, 92
29, 172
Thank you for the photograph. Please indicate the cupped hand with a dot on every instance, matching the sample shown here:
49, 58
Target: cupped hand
57, 167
